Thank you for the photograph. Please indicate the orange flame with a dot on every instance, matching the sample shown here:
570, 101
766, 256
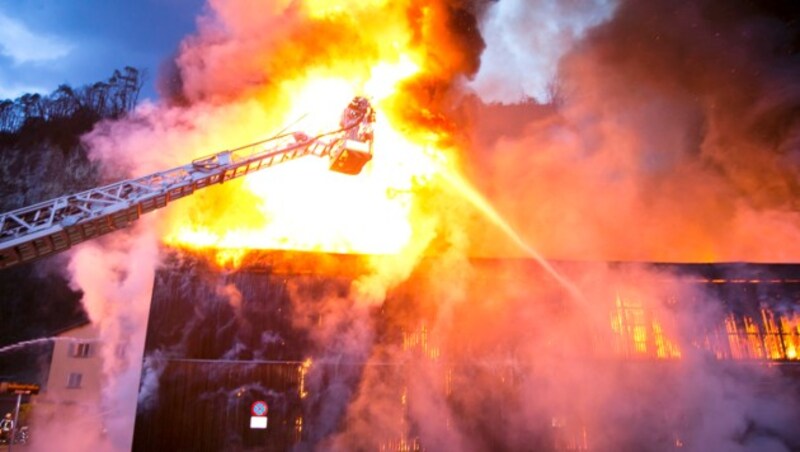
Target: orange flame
774, 336
301, 205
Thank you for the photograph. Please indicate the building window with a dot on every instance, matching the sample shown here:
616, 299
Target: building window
74, 380
82, 350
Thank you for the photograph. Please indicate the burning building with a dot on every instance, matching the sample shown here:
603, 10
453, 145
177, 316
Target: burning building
425, 315
511, 361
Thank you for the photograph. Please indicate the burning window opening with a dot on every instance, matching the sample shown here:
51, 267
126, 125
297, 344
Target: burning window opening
770, 336
417, 341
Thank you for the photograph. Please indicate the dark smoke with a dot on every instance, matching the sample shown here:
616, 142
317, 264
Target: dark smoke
674, 137
729, 68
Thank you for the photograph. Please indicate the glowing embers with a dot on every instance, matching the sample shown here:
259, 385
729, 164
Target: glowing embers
418, 341
761, 335
401, 445
638, 333
769, 336
303, 369
298, 429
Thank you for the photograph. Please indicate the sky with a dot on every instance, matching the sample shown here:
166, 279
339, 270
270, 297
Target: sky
44, 43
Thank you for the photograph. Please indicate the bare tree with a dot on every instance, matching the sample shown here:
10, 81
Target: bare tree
64, 102
113, 98
10, 116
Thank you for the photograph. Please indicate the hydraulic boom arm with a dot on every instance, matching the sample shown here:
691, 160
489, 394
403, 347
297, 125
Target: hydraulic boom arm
55, 225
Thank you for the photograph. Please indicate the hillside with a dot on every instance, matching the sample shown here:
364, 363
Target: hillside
42, 157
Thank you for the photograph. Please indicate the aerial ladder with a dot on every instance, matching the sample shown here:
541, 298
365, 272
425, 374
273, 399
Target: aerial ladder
53, 226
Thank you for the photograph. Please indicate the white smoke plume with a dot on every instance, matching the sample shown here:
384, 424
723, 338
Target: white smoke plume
116, 277
525, 40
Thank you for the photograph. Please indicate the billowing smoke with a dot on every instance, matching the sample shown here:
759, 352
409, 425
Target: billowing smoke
674, 138
495, 355
525, 41
116, 277
670, 135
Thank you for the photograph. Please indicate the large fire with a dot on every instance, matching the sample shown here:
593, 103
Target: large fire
382, 50
302, 206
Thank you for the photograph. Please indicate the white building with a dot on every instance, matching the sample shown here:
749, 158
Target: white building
70, 398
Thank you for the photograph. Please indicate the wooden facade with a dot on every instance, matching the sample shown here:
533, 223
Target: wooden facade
218, 340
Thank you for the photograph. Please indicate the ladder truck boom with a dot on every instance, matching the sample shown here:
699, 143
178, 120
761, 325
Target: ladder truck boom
53, 226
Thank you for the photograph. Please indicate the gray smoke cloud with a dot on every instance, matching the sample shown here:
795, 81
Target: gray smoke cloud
525, 40
674, 139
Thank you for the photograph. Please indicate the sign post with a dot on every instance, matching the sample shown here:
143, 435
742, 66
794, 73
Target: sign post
16, 419
258, 414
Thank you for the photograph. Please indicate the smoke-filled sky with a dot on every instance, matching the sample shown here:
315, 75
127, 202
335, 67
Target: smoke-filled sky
673, 116
675, 135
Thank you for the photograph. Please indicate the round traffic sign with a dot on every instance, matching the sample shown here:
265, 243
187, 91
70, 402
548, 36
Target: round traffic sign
259, 408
